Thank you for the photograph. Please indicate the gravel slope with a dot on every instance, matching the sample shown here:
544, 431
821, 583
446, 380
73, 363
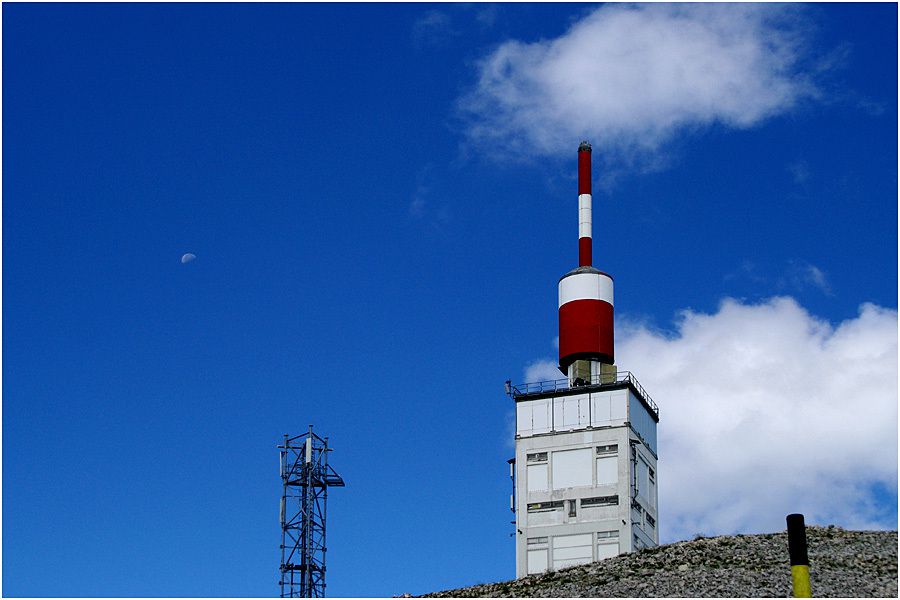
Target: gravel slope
842, 564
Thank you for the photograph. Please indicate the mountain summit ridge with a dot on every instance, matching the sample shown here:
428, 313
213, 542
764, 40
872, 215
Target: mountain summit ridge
843, 563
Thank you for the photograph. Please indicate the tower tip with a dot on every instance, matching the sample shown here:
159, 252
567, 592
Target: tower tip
584, 146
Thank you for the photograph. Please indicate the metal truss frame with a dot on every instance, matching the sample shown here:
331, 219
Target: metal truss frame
306, 477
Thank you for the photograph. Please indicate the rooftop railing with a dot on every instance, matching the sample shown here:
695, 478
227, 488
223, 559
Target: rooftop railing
597, 381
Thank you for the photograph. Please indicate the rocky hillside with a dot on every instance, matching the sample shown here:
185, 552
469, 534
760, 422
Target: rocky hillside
842, 564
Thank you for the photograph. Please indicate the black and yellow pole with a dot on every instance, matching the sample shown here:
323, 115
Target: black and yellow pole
796, 530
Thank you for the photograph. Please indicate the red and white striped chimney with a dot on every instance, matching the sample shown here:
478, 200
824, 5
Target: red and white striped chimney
585, 294
584, 205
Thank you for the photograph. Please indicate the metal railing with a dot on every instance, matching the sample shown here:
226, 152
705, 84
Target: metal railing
600, 380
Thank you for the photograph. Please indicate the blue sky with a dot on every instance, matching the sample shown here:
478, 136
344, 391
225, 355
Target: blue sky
380, 218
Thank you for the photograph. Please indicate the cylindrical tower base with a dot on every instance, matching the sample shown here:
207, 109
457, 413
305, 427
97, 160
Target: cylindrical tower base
585, 317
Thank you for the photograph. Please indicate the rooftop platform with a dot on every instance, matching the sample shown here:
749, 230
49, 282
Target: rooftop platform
561, 387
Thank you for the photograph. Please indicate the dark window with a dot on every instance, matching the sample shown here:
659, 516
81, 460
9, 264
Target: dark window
542, 506
600, 501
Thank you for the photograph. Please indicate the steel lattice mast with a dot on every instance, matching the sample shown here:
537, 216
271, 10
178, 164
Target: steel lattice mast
306, 477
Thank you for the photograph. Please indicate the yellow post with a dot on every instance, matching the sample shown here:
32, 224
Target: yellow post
796, 529
800, 574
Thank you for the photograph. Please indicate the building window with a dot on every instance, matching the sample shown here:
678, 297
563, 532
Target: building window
537, 477
568, 550
600, 501
571, 468
610, 449
544, 506
643, 479
607, 544
537, 472
605, 535
651, 521
607, 469
538, 560
572, 504
537, 540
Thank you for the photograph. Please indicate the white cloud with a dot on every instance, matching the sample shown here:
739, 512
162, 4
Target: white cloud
542, 370
801, 275
796, 276
628, 77
767, 410
816, 277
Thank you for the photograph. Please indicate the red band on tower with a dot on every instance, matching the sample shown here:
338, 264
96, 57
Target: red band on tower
585, 331
584, 169
584, 252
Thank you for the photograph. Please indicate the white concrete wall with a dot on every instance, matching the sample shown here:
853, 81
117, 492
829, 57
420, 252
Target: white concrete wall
570, 413
569, 429
641, 421
647, 493
570, 470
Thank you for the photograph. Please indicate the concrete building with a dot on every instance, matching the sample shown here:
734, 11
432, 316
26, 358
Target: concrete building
584, 473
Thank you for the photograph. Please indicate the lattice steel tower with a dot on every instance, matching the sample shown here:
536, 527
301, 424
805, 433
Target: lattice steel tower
306, 477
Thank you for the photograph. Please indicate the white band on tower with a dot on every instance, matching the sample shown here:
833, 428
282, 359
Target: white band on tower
586, 286
584, 216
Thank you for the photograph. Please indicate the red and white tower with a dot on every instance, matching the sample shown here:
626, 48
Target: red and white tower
584, 474
585, 297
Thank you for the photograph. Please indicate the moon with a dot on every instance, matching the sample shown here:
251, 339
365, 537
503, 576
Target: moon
188, 258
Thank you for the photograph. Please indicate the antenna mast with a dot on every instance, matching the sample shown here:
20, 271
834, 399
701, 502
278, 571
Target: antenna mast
306, 477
